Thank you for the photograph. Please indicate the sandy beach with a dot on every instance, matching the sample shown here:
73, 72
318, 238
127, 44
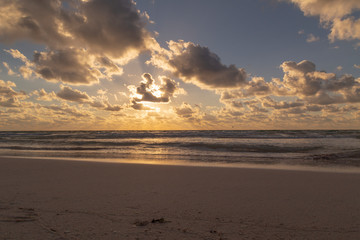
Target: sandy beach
54, 199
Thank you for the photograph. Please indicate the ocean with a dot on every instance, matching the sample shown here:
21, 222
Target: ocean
335, 148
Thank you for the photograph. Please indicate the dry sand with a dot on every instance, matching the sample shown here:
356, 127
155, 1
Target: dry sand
52, 199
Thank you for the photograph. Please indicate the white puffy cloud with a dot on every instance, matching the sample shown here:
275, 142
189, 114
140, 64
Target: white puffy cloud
312, 38
303, 79
17, 54
6, 89
8, 96
302, 91
10, 71
26, 70
327, 9
337, 15
345, 29
42, 95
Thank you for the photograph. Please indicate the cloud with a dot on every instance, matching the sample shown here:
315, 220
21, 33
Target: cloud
327, 9
72, 66
357, 66
185, 110
139, 106
301, 78
65, 109
6, 89
109, 66
191, 113
198, 65
44, 96
345, 29
113, 108
86, 40
256, 87
17, 54
113, 28
8, 96
9, 102
335, 15
302, 86
36, 20
73, 95
311, 38
148, 91
269, 102
26, 70
107, 26
324, 88
10, 71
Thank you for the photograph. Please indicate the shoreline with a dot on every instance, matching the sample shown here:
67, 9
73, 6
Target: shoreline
183, 163
44, 199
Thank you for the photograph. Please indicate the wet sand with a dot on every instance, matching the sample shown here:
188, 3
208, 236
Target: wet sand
54, 199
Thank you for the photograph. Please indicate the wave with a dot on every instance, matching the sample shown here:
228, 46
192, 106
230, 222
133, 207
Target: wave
174, 146
304, 147
240, 134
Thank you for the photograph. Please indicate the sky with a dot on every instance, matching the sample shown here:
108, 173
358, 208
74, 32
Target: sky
177, 65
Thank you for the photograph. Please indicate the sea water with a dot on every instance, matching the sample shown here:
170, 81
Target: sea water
339, 148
